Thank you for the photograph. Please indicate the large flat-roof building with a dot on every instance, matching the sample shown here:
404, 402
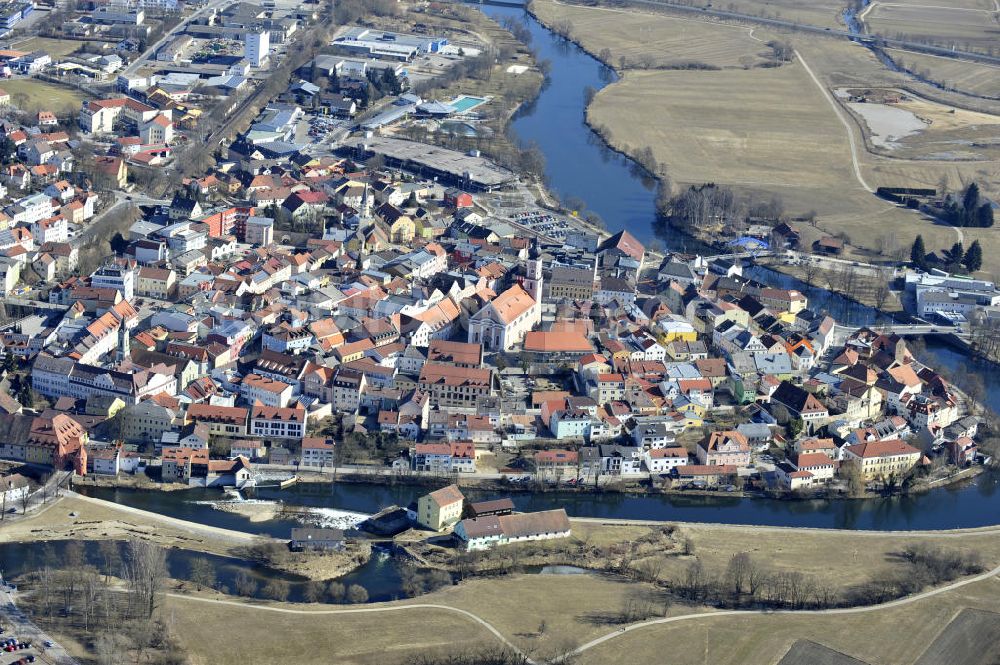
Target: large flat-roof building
467, 171
376, 43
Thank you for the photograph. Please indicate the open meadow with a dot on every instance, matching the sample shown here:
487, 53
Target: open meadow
899, 635
57, 48
767, 130
542, 615
657, 40
974, 78
823, 13
969, 29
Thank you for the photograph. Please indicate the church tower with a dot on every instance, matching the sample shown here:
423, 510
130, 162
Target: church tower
124, 342
533, 273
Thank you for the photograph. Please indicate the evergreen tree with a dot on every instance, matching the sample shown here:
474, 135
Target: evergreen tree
956, 253
390, 82
971, 199
973, 259
984, 216
918, 253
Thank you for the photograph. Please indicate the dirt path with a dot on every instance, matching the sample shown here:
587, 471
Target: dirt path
856, 163
953, 533
609, 636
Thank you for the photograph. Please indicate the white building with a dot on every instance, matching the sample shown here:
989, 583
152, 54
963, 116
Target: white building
116, 276
259, 231
503, 322
257, 45
483, 533
31, 209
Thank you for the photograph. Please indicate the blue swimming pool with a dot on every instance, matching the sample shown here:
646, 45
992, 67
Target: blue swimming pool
464, 103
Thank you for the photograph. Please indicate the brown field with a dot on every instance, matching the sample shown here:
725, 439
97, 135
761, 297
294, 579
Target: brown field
897, 635
957, 4
831, 558
968, 29
666, 40
57, 48
766, 129
570, 606
227, 635
824, 13
974, 78
32, 96
772, 132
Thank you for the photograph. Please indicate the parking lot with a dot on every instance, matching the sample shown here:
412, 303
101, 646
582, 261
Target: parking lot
543, 222
317, 128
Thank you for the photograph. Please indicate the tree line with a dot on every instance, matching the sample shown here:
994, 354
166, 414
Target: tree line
972, 210
955, 259
120, 620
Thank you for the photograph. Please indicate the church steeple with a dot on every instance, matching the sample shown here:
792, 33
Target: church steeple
124, 342
533, 272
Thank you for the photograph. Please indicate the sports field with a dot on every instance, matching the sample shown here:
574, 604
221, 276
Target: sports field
57, 48
32, 96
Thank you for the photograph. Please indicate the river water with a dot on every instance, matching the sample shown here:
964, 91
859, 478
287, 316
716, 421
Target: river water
578, 163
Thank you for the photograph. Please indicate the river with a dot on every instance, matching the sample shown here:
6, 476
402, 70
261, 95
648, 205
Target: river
578, 163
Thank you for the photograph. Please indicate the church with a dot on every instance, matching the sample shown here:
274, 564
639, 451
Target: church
504, 321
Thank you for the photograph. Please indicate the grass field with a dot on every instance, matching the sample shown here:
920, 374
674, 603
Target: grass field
968, 29
832, 558
665, 40
765, 129
57, 48
543, 615
957, 4
227, 635
771, 132
32, 96
824, 13
897, 635
974, 78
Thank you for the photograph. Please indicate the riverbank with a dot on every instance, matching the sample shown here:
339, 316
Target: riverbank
78, 517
